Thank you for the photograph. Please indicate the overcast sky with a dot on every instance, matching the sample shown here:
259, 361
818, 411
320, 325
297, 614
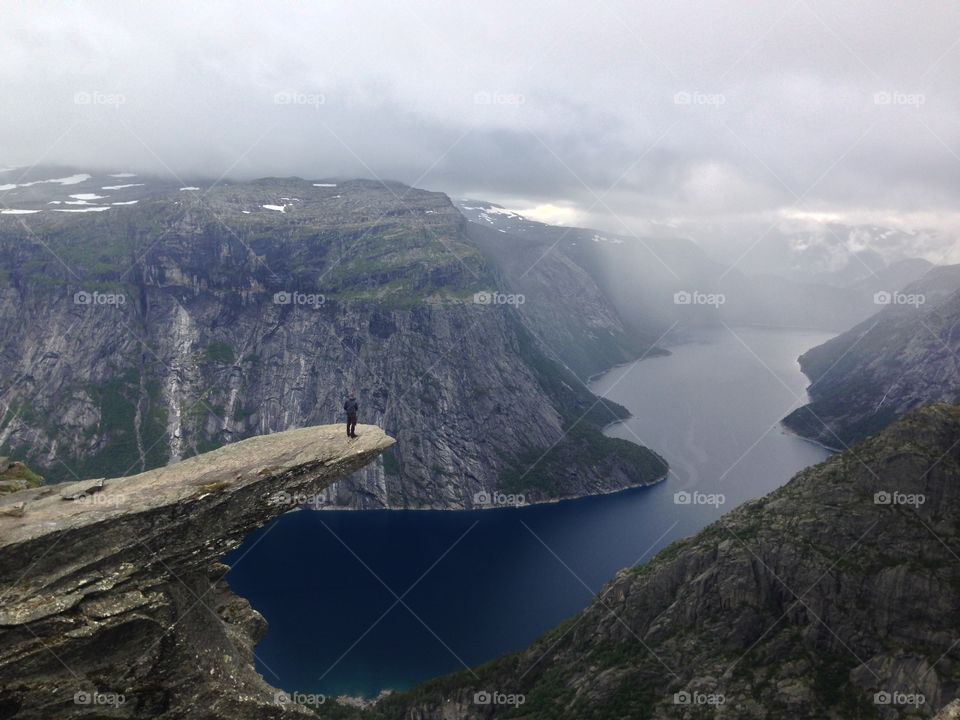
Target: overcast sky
713, 116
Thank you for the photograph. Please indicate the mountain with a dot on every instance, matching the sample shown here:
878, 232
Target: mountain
906, 355
654, 282
574, 319
640, 277
148, 321
836, 596
115, 602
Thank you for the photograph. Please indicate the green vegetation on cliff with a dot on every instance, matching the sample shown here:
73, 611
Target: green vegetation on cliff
16, 476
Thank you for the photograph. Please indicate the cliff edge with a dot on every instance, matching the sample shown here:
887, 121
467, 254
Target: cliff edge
113, 601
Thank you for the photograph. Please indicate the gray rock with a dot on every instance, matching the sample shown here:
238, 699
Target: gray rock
903, 357
122, 596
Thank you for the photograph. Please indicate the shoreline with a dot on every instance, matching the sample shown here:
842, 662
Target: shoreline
532, 503
660, 352
819, 444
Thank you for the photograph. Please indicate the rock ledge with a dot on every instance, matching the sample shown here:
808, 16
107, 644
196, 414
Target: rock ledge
115, 586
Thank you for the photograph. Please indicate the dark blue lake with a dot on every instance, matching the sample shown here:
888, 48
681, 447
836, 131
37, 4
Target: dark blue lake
476, 585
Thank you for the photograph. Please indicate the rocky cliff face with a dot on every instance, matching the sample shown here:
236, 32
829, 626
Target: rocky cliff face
906, 355
148, 332
113, 601
836, 596
564, 305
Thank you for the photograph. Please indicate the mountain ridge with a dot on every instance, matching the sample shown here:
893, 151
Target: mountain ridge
835, 596
149, 332
905, 356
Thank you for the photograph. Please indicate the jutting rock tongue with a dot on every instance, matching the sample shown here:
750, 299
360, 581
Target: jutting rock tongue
111, 590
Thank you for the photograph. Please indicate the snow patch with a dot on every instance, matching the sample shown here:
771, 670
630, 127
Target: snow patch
602, 239
324, 184
279, 208
69, 180
88, 196
190, 187
121, 187
86, 209
126, 202
502, 211
8, 186
122, 175
15, 211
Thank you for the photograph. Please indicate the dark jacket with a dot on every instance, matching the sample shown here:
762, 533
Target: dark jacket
351, 406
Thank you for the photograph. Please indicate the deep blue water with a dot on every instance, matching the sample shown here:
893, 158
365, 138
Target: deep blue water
475, 585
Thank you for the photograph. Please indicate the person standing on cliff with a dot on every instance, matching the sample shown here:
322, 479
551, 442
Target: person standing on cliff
351, 407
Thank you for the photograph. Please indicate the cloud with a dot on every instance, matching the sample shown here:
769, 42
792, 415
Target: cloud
686, 112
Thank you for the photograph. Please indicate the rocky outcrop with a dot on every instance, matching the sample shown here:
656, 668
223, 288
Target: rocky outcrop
906, 355
949, 712
15, 476
836, 596
150, 332
112, 594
